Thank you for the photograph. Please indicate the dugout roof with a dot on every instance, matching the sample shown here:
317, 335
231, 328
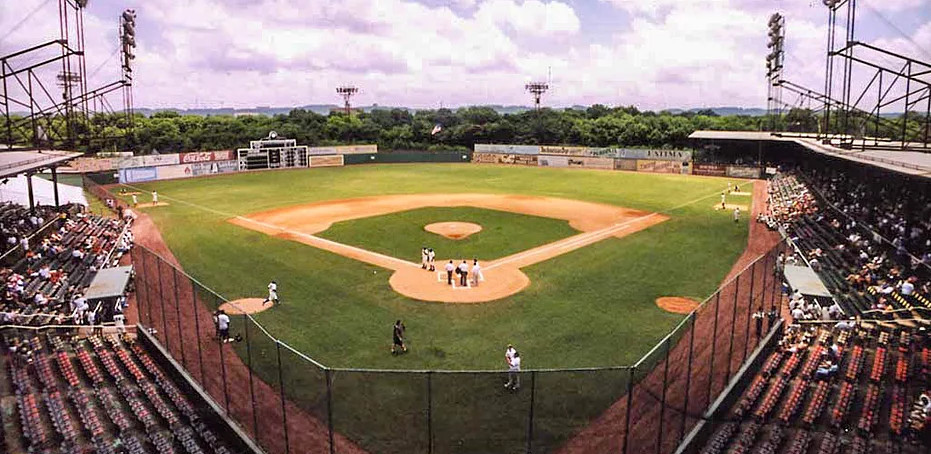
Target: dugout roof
109, 283
16, 162
914, 163
806, 281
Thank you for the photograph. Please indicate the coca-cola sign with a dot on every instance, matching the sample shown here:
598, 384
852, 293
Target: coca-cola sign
205, 156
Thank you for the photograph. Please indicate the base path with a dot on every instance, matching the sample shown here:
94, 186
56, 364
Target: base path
502, 277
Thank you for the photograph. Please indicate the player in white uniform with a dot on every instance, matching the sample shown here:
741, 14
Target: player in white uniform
272, 294
724, 198
476, 273
135, 200
431, 259
154, 197
423, 257
736, 215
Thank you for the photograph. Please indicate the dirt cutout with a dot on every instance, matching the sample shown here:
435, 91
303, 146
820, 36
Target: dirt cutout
676, 304
502, 277
151, 205
245, 306
453, 230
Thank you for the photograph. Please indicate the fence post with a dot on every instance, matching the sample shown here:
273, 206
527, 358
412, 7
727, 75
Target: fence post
688, 376
763, 293
730, 349
174, 278
161, 298
284, 413
749, 310
226, 394
533, 388
430, 412
140, 283
200, 353
255, 419
329, 408
662, 408
714, 344
630, 397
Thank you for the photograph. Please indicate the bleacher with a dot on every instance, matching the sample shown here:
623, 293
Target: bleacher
796, 404
95, 394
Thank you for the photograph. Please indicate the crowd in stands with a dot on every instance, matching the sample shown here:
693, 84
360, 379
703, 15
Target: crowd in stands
102, 394
864, 389
874, 256
47, 274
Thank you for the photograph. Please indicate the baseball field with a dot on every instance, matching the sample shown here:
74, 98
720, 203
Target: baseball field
574, 262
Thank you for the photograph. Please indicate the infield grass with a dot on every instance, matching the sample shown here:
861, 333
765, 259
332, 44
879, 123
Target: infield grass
402, 234
590, 307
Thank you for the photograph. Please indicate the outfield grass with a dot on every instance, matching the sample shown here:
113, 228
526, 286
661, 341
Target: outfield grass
402, 234
590, 307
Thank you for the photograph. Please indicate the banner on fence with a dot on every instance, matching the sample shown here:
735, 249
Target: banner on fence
511, 159
138, 174
625, 164
206, 156
342, 149
659, 155
771, 170
176, 171
743, 172
713, 170
507, 149
588, 162
553, 161
567, 151
215, 167
649, 165
151, 160
326, 161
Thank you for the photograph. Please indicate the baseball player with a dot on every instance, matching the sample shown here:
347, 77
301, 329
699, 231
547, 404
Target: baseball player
135, 200
397, 335
513, 373
449, 272
476, 273
423, 257
431, 259
736, 215
464, 274
272, 294
154, 197
223, 326
724, 197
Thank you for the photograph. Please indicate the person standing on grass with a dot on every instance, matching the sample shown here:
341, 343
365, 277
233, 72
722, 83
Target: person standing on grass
154, 197
449, 272
723, 200
135, 200
736, 215
223, 326
513, 372
397, 335
272, 294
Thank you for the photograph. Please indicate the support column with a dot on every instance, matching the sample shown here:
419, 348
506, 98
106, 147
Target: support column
55, 184
32, 202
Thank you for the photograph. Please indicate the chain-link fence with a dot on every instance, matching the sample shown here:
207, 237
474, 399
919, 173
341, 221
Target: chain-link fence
287, 402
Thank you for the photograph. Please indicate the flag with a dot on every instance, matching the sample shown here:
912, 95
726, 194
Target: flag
436, 128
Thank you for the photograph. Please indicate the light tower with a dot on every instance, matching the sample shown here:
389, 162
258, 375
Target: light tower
127, 52
774, 63
347, 91
537, 89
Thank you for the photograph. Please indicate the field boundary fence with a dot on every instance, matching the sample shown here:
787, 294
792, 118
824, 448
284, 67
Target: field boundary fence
289, 402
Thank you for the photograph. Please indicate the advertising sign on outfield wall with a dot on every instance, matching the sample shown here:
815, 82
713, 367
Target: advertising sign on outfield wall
342, 149
568, 151
591, 163
553, 161
660, 155
712, 170
138, 174
625, 164
507, 149
512, 159
206, 156
326, 161
649, 165
743, 172
151, 160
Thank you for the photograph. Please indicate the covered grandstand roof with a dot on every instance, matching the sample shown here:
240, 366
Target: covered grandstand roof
17, 162
913, 163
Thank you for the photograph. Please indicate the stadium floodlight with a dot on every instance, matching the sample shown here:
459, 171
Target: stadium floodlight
830, 3
81, 3
128, 37
537, 89
347, 92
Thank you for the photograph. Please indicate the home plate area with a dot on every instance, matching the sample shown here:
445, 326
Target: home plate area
442, 278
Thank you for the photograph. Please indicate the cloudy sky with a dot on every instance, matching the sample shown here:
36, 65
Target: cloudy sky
424, 53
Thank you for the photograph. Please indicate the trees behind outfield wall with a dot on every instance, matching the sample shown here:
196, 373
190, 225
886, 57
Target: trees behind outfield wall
400, 129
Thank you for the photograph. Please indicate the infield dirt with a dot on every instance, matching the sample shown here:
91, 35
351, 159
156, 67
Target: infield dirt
502, 277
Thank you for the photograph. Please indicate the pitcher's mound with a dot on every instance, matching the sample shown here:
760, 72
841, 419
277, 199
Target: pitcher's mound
453, 230
676, 304
245, 306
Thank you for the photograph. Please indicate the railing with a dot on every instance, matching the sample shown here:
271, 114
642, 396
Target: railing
288, 402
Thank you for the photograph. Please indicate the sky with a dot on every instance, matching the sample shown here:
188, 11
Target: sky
655, 54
